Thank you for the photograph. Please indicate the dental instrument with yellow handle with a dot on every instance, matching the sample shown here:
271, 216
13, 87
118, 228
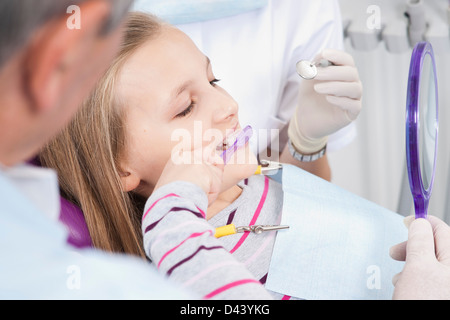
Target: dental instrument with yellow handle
268, 167
258, 229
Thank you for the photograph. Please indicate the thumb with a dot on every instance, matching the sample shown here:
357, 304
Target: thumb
420, 241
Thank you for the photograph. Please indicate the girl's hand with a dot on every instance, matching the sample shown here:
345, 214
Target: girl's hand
202, 166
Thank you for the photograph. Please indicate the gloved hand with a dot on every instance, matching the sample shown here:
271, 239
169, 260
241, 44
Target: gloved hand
426, 274
326, 104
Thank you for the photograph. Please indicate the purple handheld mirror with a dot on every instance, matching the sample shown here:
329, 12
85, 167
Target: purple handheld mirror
422, 126
236, 142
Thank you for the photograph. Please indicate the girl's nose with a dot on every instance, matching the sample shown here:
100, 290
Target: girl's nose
225, 109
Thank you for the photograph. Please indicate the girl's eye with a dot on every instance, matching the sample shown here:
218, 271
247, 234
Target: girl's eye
186, 111
191, 106
213, 83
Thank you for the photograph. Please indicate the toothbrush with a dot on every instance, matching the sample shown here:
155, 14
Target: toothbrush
242, 138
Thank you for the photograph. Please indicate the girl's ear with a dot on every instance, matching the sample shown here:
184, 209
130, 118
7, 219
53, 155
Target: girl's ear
130, 180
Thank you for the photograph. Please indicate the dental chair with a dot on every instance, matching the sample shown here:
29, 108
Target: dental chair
73, 219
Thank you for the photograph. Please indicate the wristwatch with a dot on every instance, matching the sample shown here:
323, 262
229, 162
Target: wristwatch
306, 158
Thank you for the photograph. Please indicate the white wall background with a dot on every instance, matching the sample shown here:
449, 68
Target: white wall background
373, 165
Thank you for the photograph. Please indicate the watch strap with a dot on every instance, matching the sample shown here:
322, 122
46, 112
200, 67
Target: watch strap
306, 157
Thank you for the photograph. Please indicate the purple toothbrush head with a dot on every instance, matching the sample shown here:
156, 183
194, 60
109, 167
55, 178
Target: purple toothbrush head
241, 139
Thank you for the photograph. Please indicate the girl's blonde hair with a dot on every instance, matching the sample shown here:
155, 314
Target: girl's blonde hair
86, 155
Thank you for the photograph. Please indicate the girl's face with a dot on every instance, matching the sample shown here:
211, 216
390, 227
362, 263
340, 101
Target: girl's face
174, 103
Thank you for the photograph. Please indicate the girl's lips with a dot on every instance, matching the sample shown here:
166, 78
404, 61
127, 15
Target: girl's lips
235, 141
229, 140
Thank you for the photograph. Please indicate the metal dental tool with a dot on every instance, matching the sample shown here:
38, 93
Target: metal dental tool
257, 229
308, 70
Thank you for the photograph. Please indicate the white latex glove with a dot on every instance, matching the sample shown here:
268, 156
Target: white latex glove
426, 274
326, 104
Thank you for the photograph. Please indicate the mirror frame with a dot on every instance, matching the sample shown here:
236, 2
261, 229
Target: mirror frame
420, 195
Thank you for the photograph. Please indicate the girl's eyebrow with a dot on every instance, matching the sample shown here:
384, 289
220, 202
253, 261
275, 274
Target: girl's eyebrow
186, 84
179, 90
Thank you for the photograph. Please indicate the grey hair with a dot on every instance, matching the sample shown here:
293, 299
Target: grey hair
19, 18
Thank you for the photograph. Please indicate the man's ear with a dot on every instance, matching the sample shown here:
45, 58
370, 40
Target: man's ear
54, 52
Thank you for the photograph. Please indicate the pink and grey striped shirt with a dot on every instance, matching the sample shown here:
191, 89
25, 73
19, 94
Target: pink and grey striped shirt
181, 243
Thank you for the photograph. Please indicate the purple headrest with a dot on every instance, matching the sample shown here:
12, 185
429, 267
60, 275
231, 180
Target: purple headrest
73, 218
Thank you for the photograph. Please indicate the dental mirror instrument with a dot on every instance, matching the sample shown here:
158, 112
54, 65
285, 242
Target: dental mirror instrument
239, 141
308, 70
422, 126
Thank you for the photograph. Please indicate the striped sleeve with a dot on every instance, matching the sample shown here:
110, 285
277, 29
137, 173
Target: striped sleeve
181, 243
